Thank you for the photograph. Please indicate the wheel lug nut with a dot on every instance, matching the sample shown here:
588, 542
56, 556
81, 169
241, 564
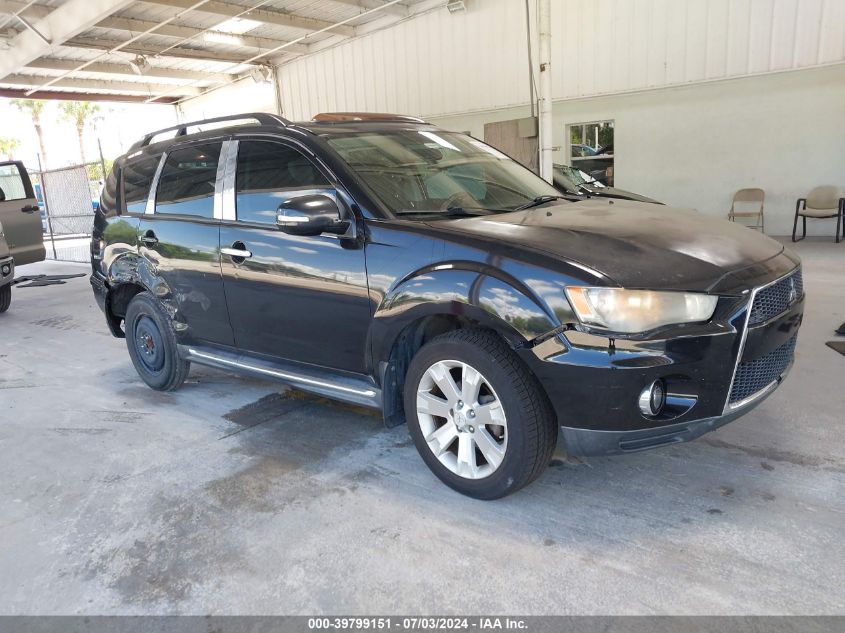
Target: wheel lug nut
472, 429
471, 413
460, 404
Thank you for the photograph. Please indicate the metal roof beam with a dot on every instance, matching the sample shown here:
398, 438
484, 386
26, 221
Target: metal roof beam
266, 16
47, 63
32, 12
55, 95
68, 20
152, 53
82, 85
402, 10
185, 32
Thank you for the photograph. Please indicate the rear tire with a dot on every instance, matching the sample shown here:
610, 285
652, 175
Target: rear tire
478, 417
152, 345
5, 297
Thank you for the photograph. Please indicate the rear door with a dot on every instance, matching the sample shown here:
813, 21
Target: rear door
19, 214
180, 235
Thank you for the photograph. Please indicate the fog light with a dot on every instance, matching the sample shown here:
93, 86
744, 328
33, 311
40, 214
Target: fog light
6, 269
652, 399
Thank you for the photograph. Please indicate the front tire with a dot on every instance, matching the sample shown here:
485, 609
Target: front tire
152, 345
478, 417
5, 297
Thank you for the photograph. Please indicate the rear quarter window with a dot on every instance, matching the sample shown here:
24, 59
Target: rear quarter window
137, 179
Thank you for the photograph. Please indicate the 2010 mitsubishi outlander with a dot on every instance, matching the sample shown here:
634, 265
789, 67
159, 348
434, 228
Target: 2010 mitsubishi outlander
379, 260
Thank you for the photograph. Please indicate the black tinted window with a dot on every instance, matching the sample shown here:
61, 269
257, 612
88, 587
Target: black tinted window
137, 178
186, 185
270, 173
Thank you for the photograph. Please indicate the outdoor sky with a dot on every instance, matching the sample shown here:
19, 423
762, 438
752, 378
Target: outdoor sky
120, 125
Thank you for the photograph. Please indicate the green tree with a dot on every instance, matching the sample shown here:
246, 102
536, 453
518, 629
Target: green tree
8, 147
80, 113
95, 170
35, 108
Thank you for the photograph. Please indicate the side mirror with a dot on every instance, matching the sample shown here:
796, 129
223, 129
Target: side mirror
310, 215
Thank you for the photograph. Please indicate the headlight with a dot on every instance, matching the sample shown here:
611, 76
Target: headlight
631, 311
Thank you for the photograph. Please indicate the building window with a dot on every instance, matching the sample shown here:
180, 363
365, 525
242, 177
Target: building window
591, 149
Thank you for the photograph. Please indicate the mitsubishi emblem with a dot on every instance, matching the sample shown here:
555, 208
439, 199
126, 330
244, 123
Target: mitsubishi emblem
793, 293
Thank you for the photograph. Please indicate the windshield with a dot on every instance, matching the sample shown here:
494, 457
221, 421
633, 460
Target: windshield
413, 171
576, 176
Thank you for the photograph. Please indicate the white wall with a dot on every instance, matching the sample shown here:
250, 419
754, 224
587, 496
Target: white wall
694, 146
441, 63
708, 96
243, 96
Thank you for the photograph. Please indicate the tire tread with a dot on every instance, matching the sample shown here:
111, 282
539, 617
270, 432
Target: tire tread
5, 297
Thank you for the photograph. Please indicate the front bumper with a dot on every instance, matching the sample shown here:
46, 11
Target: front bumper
587, 442
7, 264
593, 382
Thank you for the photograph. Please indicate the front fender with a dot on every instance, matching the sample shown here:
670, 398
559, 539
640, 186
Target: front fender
470, 290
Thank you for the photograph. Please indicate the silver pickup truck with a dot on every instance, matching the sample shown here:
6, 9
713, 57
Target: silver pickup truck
21, 238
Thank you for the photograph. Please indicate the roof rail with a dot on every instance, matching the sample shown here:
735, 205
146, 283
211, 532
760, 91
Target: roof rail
364, 117
263, 118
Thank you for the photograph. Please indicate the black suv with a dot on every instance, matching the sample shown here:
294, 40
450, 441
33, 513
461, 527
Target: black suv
379, 260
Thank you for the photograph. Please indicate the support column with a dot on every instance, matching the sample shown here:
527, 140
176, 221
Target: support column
544, 96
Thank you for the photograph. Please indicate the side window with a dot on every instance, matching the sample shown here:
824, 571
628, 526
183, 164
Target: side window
186, 184
137, 178
268, 174
12, 186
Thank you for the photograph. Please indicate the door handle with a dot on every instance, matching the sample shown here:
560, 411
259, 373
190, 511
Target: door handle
236, 253
30, 208
149, 238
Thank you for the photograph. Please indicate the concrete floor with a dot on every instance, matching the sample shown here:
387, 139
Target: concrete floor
228, 497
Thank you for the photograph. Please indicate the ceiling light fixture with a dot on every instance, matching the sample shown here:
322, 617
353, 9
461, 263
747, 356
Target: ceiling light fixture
262, 74
139, 65
456, 6
237, 26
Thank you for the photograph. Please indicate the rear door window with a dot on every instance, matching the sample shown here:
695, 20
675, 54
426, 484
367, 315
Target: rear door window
137, 178
269, 174
187, 181
12, 185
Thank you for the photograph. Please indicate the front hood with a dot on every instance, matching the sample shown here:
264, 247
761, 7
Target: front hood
633, 244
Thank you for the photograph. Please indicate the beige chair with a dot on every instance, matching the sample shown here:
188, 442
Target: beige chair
821, 202
748, 203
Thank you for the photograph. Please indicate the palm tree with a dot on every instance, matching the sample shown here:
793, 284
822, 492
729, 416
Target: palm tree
80, 113
35, 108
8, 147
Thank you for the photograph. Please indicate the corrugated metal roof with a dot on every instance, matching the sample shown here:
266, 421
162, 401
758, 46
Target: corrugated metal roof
187, 46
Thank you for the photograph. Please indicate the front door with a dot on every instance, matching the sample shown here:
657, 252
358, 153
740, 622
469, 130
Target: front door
294, 297
180, 240
19, 214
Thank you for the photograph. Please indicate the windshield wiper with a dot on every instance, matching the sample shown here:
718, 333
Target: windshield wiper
536, 202
451, 212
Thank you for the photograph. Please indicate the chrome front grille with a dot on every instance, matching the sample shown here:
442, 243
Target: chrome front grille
755, 375
777, 298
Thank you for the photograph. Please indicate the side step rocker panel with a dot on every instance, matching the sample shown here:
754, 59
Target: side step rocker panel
343, 386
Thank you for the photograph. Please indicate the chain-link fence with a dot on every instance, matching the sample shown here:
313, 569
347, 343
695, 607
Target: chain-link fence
67, 199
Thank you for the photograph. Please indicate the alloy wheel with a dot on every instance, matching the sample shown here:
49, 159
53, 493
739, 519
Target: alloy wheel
462, 419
